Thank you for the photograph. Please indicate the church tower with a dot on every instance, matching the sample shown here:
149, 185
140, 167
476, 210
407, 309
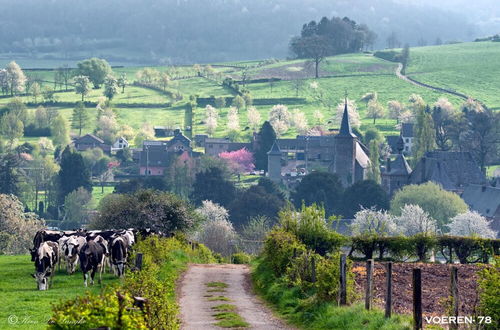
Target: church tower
274, 163
345, 151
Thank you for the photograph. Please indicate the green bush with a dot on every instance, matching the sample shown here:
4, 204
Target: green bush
279, 248
311, 228
489, 291
468, 249
421, 245
94, 311
328, 279
241, 258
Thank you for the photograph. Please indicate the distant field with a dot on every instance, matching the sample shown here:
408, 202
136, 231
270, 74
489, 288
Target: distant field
21, 298
470, 68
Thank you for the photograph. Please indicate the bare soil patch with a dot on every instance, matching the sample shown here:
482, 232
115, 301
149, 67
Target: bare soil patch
435, 286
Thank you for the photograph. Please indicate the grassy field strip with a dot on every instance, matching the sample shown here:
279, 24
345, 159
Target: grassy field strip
30, 307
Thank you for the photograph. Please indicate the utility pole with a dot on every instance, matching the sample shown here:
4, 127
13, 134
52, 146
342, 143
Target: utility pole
306, 153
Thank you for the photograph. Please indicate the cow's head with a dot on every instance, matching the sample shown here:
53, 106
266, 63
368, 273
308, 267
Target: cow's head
41, 280
71, 250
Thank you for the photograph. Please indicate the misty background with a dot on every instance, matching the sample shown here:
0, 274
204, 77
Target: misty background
189, 31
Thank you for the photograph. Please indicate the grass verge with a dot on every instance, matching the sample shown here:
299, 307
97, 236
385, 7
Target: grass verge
305, 310
218, 298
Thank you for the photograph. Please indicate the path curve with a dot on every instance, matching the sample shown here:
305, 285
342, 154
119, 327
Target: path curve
196, 310
434, 88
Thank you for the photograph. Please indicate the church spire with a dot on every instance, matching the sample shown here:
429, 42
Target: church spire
345, 126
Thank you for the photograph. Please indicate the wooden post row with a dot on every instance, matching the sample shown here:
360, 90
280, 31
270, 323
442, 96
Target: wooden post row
417, 298
369, 284
388, 292
343, 280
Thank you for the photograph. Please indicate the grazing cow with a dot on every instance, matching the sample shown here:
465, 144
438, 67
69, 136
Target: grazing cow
129, 238
119, 255
91, 259
45, 262
71, 249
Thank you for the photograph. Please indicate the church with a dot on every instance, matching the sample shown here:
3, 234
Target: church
344, 154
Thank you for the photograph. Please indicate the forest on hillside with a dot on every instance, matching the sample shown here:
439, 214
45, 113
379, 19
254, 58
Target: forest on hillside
188, 31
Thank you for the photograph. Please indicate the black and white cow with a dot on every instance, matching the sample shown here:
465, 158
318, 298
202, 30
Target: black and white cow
119, 248
46, 258
105, 245
44, 236
91, 260
72, 247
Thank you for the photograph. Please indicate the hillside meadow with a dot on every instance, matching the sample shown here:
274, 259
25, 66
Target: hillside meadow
467, 67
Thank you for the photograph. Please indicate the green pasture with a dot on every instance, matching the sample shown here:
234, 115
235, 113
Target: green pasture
98, 194
470, 68
22, 301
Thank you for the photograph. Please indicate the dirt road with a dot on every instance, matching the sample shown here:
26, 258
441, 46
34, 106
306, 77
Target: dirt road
196, 307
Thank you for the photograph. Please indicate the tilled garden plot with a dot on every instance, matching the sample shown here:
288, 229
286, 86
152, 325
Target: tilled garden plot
435, 286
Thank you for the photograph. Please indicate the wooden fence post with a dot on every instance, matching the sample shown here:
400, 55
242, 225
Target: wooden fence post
369, 284
454, 293
138, 261
388, 292
417, 298
343, 280
313, 269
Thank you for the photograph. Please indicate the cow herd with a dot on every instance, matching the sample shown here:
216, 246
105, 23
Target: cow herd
91, 250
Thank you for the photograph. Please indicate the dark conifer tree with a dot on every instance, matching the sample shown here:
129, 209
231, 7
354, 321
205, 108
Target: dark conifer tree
266, 138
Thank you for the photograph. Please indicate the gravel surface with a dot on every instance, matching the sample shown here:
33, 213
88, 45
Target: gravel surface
196, 312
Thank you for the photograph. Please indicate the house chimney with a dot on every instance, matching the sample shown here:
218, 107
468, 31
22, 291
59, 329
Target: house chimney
388, 169
177, 131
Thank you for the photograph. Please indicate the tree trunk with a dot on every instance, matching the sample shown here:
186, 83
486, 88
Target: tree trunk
317, 68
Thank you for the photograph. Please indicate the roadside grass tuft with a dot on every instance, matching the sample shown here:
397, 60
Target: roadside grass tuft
219, 298
216, 285
216, 290
224, 308
230, 320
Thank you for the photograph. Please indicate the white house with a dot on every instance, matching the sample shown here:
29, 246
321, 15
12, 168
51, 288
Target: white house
120, 143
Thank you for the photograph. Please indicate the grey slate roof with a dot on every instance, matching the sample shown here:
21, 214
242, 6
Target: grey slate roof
275, 150
453, 170
407, 129
399, 166
483, 199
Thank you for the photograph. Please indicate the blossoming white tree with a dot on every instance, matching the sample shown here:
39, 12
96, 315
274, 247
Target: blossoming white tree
471, 223
299, 121
216, 232
254, 118
413, 220
233, 119
211, 116
319, 118
280, 117
370, 221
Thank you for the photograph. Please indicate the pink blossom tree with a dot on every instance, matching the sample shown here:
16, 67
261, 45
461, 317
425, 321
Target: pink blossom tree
239, 161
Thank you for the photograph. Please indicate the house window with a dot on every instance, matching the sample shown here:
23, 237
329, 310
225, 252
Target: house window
407, 148
407, 140
210, 145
